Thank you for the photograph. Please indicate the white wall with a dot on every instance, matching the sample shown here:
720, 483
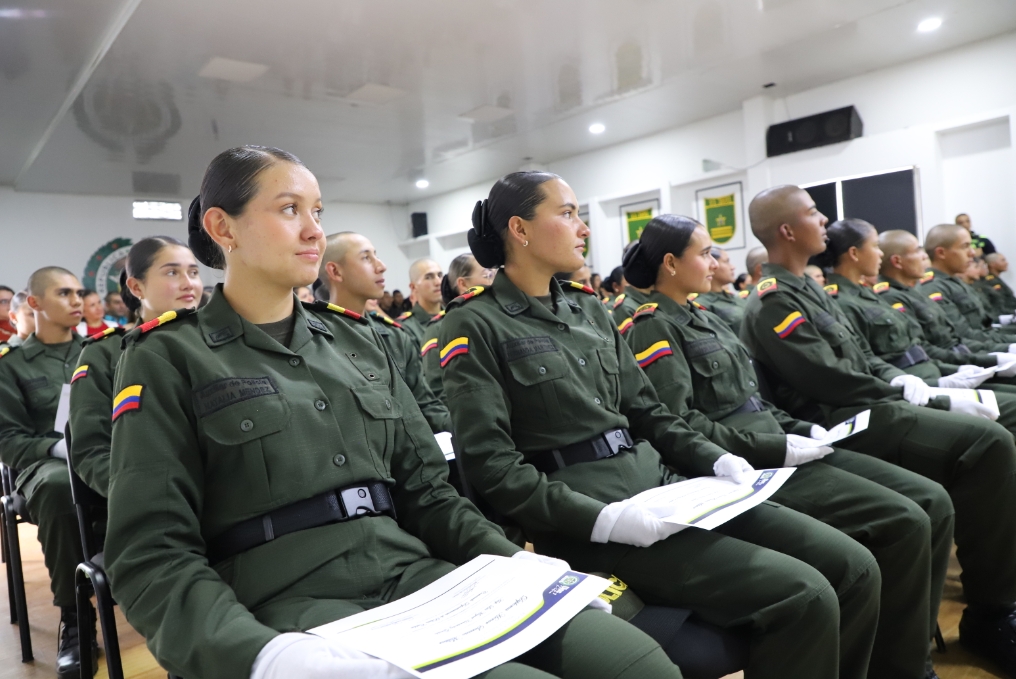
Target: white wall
905, 110
41, 229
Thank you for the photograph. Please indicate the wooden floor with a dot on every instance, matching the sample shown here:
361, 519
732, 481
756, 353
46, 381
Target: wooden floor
138, 662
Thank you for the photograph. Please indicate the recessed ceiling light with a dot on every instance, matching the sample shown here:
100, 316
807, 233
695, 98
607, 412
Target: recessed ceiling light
372, 93
486, 114
929, 25
235, 71
422, 183
149, 209
597, 128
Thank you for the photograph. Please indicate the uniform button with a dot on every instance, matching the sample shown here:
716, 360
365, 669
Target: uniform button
388, 404
561, 326
597, 401
542, 371
582, 361
294, 361
339, 460
246, 425
320, 405
712, 334
841, 334
751, 384
716, 364
371, 376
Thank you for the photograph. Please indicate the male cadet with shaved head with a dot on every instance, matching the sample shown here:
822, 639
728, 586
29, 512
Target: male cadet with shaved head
948, 248
425, 284
354, 275
31, 378
822, 371
753, 261
998, 265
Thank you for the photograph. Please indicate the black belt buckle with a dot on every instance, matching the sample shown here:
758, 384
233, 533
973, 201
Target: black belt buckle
617, 440
356, 501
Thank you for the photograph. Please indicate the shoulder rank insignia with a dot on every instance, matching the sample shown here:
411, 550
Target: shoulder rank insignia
5, 351
765, 286
625, 325
692, 296
103, 334
743, 294
128, 399
164, 319
438, 316
899, 306
935, 297
989, 277
428, 346
469, 294
645, 310
928, 277
654, 353
382, 318
880, 287
458, 346
697, 305
335, 308
789, 324
832, 289
79, 372
404, 315
997, 286
584, 288
619, 300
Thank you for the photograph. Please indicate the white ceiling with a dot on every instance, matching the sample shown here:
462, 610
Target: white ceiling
371, 93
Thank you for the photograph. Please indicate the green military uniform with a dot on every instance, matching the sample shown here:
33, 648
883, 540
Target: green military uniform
404, 352
993, 295
523, 377
728, 305
414, 321
704, 375
215, 422
826, 372
624, 305
31, 378
942, 287
91, 408
429, 357
1008, 299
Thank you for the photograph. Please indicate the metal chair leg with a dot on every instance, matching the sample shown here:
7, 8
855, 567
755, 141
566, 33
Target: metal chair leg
939, 640
86, 631
107, 619
10, 573
21, 604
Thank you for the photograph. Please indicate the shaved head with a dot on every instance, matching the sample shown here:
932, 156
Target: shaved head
336, 247
420, 267
771, 209
756, 257
39, 281
895, 242
941, 236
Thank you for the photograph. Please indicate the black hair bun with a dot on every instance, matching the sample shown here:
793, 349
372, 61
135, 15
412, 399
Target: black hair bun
132, 302
448, 292
636, 270
484, 242
201, 244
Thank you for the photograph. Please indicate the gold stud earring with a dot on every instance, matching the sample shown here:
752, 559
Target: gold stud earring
230, 249
673, 273
526, 244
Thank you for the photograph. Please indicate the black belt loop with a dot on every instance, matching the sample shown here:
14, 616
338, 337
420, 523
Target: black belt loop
608, 444
266, 522
914, 355
962, 350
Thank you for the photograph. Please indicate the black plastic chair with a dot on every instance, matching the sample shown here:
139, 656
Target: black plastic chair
90, 577
15, 512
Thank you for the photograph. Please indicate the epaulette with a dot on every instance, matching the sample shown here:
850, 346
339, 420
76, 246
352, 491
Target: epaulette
384, 319
619, 300
899, 306
6, 350
997, 286
438, 316
743, 294
625, 325
404, 315
880, 287
766, 285
586, 289
928, 277
698, 305
103, 334
335, 309
692, 296
833, 290
469, 294
165, 318
989, 277
644, 311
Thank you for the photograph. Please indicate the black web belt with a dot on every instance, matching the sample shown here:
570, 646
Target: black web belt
962, 350
334, 506
607, 444
752, 405
913, 356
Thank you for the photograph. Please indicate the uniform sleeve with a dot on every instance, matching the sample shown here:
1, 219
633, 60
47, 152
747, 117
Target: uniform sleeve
434, 411
90, 419
481, 422
155, 552
671, 376
432, 369
862, 330
20, 446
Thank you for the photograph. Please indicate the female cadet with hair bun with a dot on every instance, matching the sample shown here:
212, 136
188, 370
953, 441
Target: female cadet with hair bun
256, 410
557, 427
704, 375
160, 275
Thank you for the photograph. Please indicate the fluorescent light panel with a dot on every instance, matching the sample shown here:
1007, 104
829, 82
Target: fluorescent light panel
150, 209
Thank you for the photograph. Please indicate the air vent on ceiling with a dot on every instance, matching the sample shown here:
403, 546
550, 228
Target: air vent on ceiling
158, 183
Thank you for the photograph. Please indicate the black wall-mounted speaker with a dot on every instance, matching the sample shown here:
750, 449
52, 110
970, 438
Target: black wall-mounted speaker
821, 129
419, 224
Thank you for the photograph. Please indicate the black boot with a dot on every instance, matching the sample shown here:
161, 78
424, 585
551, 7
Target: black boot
68, 654
992, 635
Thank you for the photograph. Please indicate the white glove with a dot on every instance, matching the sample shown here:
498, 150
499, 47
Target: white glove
59, 449
310, 657
965, 379
801, 449
732, 466
1012, 348
631, 524
819, 432
974, 408
1007, 360
1005, 319
915, 391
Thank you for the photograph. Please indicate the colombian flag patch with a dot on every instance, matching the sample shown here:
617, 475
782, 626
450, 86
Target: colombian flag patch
427, 346
935, 297
459, 345
127, 400
899, 306
789, 324
79, 372
656, 351
625, 325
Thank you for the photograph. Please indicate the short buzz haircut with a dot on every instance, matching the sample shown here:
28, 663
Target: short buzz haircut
111, 294
755, 257
414, 268
336, 245
941, 236
41, 278
19, 299
769, 210
957, 218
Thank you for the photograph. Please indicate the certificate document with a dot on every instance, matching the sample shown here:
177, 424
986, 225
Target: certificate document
480, 615
710, 501
849, 427
980, 395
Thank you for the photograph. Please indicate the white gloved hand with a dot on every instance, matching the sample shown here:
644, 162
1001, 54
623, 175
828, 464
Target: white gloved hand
968, 368
1012, 348
974, 408
1005, 319
819, 432
965, 379
628, 523
310, 657
732, 466
801, 449
915, 391
1007, 360
59, 449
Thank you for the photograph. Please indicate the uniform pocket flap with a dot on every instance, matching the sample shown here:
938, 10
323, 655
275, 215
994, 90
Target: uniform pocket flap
538, 368
247, 420
702, 347
608, 360
377, 402
709, 365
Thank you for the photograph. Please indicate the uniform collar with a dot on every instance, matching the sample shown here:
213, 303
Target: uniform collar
514, 301
379, 324
220, 324
942, 274
33, 347
847, 286
893, 283
784, 277
671, 310
635, 295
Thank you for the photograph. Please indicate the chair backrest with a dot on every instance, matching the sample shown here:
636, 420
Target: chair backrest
88, 504
764, 390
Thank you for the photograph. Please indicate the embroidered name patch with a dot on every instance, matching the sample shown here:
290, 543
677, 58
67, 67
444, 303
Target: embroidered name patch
654, 353
459, 345
789, 324
625, 325
520, 347
427, 346
127, 400
221, 393
79, 372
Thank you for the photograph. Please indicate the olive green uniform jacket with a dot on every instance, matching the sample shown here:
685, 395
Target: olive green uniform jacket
92, 408
949, 290
727, 305
429, 356
995, 296
404, 352
214, 423
624, 305
414, 321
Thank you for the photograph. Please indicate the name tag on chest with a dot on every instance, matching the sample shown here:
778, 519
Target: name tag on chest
221, 393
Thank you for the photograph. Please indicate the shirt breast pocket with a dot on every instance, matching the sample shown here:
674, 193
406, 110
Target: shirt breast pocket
834, 332
380, 410
711, 374
536, 376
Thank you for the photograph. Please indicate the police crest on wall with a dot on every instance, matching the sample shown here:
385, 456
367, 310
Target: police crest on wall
721, 211
102, 272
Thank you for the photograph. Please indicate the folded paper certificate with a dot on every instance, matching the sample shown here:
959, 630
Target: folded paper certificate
480, 615
980, 395
849, 427
711, 501
444, 440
